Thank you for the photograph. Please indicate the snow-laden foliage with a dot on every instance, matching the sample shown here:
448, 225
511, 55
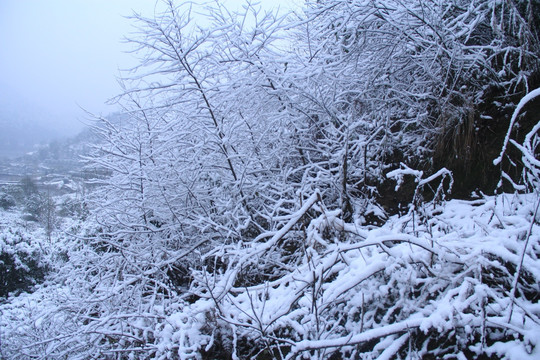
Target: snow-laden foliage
24, 259
528, 150
204, 138
436, 285
227, 125
406, 78
234, 214
442, 280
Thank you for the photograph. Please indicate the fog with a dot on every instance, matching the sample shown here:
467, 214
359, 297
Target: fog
59, 57
60, 60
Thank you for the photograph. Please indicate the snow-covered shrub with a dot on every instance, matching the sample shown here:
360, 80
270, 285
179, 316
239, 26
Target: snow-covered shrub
72, 206
6, 201
461, 281
407, 80
406, 290
22, 260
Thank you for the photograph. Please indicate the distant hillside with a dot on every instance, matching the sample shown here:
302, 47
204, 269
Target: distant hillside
23, 125
20, 136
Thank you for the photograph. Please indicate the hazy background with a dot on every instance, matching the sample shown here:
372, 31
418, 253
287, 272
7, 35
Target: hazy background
58, 57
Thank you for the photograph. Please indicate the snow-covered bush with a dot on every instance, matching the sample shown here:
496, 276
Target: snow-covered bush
6, 201
458, 281
406, 81
72, 206
432, 287
22, 260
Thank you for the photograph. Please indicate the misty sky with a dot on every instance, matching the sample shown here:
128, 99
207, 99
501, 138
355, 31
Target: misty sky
58, 56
